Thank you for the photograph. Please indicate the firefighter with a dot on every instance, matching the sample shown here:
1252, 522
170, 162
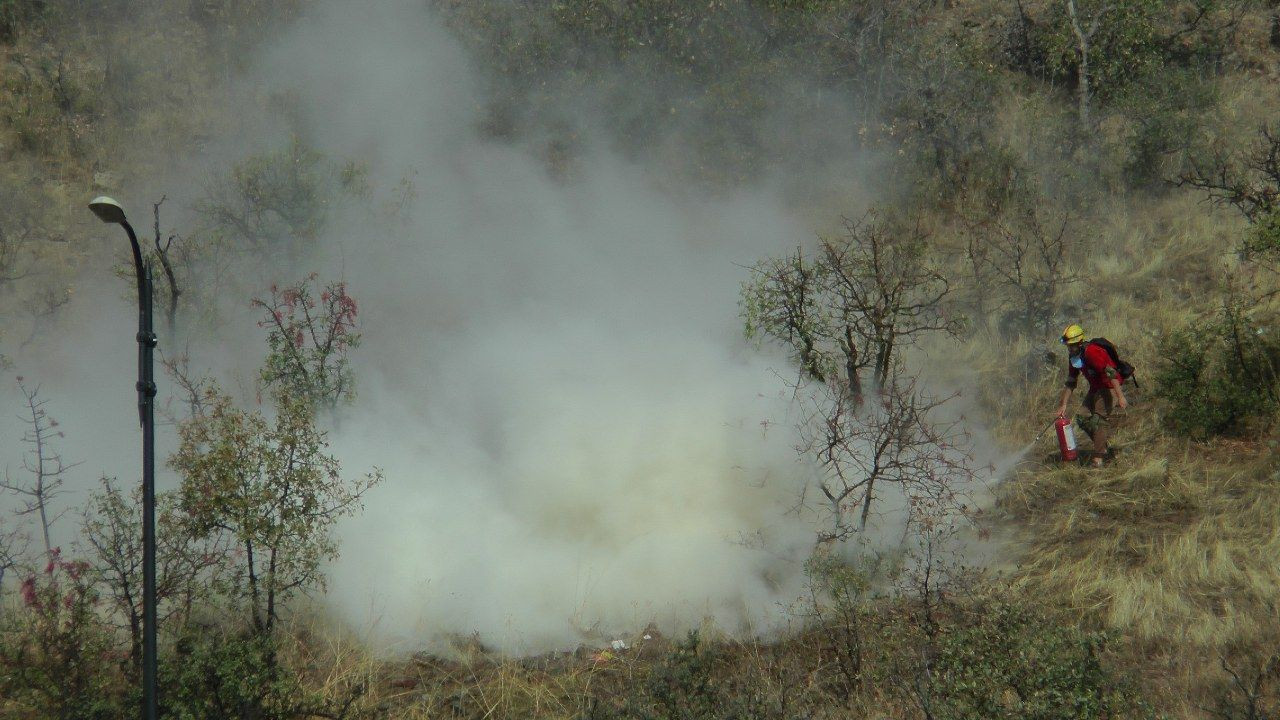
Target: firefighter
1105, 391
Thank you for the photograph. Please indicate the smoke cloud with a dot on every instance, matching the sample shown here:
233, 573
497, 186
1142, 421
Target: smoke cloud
553, 377
576, 439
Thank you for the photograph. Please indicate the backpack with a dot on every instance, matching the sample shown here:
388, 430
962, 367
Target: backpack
1122, 367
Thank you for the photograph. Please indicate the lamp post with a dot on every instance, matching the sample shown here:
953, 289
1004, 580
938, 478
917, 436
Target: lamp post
109, 211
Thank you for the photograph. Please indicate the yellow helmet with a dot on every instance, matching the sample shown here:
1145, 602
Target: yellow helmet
1072, 335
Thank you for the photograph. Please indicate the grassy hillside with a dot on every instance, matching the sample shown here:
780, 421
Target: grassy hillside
1147, 588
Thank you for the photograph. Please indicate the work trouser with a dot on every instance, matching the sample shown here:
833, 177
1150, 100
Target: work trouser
1097, 424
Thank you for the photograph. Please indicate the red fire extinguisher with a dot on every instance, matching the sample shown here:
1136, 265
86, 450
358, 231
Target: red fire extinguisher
1066, 439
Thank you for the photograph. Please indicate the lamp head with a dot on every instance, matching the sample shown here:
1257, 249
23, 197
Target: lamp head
107, 210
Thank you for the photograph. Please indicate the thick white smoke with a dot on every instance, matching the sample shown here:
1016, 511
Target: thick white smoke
553, 375
576, 439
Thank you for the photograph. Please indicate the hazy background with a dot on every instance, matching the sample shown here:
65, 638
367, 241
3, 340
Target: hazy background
576, 438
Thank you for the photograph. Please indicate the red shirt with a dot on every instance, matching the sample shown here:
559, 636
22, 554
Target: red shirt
1098, 365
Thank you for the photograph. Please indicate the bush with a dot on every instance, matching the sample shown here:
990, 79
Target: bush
216, 675
682, 686
17, 15
1262, 239
1012, 663
697, 680
1168, 112
57, 659
50, 102
1218, 378
1123, 46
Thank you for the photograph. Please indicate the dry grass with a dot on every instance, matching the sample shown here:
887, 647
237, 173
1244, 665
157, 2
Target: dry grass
1173, 547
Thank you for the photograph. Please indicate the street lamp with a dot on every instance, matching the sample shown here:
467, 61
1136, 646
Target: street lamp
109, 211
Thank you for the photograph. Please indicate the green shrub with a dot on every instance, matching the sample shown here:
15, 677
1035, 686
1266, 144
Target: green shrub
57, 658
1124, 45
1263, 237
273, 201
697, 680
17, 15
681, 688
1218, 378
1168, 112
1012, 663
212, 674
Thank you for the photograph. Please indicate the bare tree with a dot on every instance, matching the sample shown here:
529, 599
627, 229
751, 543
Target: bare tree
13, 544
1248, 181
886, 293
166, 263
1027, 258
193, 389
894, 445
44, 467
854, 305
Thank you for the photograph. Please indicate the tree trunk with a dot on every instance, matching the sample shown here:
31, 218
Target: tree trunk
1082, 81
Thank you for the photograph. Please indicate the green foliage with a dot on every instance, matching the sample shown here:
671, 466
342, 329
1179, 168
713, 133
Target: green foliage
1218, 377
272, 490
57, 659
1168, 112
694, 681
682, 688
1262, 238
210, 673
1124, 45
274, 201
17, 15
49, 103
1012, 664
309, 338
843, 607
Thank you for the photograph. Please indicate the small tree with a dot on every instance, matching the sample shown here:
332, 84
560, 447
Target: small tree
309, 339
886, 292
893, 445
1028, 261
273, 201
60, 667
274, 492
44, 467
784, 300
187, 562
854, 305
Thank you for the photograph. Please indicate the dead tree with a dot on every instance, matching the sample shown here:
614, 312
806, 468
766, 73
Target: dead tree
44, 467
1029, 260
166, 263
1248, 181
892, 446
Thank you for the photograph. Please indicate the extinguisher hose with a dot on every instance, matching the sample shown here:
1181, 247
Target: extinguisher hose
1045, 430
